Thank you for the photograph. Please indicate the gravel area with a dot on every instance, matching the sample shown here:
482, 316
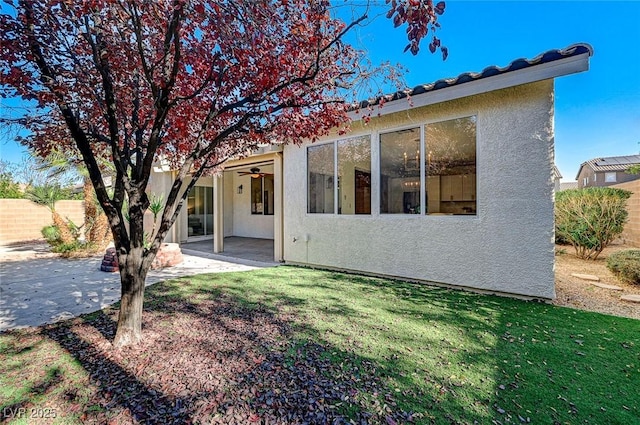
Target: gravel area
581, 294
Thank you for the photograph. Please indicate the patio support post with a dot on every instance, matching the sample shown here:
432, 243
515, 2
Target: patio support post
278, 218
218, 216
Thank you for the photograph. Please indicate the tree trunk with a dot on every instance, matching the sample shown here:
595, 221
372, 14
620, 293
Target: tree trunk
65, 234
133, 273
90, 209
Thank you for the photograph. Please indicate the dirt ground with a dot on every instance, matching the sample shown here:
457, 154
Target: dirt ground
570, 291
581, 294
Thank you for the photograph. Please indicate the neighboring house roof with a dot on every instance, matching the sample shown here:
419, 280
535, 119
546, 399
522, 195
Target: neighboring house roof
568, 185
556, 172
611, 163
560, 62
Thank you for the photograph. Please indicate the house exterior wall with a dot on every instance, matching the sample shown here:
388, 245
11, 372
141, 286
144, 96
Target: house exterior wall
586, 177
507, 247
621, 177
597, 178
229, 188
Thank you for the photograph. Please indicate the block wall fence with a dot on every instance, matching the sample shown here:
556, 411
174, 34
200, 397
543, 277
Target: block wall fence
631, 233
23, 220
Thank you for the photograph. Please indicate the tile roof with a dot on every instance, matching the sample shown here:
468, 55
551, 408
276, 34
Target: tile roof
490, 71
610, 163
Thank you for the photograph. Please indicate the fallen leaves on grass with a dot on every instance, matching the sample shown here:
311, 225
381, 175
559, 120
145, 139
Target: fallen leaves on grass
218, 362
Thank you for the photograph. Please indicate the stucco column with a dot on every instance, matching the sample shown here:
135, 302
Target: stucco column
278, 211
218, 213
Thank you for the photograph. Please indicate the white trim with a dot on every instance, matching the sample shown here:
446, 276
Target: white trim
423, 170
335, 177
218, 214
278, 210
375, 173
570, 65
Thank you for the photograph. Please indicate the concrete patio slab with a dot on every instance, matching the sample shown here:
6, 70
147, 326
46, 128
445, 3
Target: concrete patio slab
237, 247
34, 291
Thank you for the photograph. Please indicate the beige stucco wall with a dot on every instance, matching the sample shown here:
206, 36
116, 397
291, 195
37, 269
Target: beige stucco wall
631, 233
507, 247
23, 220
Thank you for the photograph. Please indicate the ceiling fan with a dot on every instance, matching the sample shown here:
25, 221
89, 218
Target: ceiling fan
254, 173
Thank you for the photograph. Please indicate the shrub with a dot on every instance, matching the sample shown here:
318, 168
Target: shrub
590, 219
67, 249
560, 240
625, 265
9, 189
51, 235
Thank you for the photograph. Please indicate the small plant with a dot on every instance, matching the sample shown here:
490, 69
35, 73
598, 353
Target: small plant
625, 265
156, 204
66, 249
51, 235
47, 196
590, 219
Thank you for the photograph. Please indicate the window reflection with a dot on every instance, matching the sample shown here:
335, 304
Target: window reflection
400, 172
320, 165
354, 176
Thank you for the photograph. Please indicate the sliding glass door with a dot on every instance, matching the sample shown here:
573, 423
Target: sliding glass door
200, 211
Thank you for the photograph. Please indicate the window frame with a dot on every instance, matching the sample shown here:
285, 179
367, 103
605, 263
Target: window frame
336, 181
422, 125
337, 176
307, 180
262, 196
374, 139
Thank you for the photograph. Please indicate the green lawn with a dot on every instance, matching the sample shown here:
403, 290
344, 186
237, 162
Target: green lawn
445, 356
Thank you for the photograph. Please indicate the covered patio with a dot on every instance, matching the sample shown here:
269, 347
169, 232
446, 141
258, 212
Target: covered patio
251, 249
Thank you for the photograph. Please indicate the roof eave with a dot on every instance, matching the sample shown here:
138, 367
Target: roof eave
545, 71
590, 164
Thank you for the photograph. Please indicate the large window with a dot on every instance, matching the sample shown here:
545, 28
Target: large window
450, 164
320, 166
354, 176
400, 172
351, 186
443, 160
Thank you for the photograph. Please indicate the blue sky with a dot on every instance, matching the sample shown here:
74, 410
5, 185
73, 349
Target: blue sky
597, 113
